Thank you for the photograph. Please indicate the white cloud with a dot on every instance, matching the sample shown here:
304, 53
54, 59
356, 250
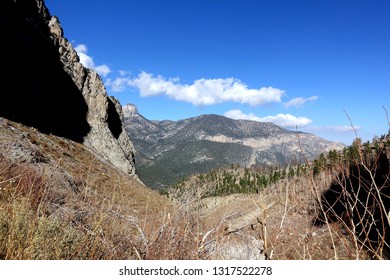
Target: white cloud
81, 48
201, 92
124, 73
334, 128
103, 70
239, 115
118, 84
88, 62
299, 101
85, 59
285, 120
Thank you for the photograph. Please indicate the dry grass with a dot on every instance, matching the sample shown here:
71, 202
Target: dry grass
59, 201
290, 230
282, 217
26, 229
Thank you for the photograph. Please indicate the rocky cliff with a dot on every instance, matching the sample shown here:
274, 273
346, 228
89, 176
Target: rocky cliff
44, 85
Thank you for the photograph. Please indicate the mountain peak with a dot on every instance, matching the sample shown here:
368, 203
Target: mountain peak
130, 110
171, 150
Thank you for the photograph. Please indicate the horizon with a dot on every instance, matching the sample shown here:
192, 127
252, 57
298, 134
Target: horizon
310, 66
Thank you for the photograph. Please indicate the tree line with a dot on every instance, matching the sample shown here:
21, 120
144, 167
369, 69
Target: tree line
249, 180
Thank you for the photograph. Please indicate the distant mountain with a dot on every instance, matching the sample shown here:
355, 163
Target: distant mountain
167, 151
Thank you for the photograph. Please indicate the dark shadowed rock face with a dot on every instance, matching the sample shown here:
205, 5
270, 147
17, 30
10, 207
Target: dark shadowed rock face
360, 199
114, 120
36, 90
44, 85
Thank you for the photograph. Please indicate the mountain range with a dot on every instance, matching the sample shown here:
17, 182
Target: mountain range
69, 187
167, 151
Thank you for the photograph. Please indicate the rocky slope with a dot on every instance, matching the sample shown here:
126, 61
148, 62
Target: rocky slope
170, 150
44, 85
61, 200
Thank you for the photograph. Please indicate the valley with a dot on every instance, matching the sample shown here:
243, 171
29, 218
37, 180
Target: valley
168, 151
83, 178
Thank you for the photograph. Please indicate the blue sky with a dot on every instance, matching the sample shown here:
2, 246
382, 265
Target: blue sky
296, 63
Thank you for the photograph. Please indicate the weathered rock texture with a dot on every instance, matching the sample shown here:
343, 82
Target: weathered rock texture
44, 85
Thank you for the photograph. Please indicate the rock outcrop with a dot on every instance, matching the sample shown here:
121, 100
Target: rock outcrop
46, 86
130, 110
